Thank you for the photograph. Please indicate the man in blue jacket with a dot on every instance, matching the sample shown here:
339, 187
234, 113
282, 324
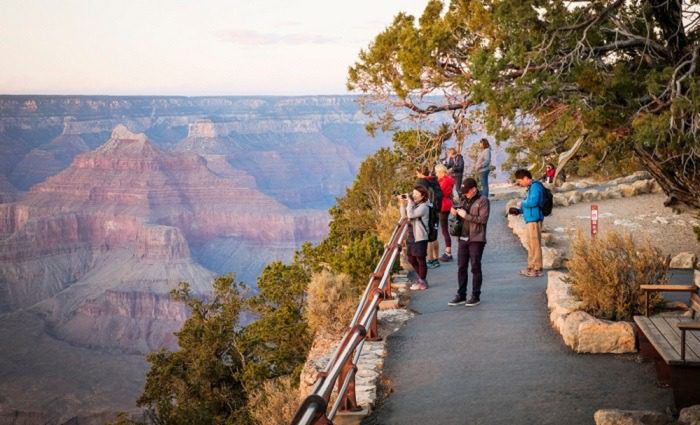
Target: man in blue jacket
531, 208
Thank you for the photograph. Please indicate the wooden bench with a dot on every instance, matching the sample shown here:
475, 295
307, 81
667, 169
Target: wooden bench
673, 343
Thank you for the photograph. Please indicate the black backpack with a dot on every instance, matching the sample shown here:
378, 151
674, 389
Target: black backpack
433, 223
547, 202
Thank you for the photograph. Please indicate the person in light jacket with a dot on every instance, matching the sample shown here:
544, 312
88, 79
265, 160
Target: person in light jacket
416, 208
482, 167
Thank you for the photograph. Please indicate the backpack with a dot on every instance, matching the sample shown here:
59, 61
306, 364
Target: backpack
433, 224
547, 202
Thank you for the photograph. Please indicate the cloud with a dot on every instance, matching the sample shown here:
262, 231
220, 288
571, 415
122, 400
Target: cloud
257, 38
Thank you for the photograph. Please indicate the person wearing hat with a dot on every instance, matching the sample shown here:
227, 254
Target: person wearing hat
473, 211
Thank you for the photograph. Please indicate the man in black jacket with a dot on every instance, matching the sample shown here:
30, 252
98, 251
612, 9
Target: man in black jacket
473, 210
455, 165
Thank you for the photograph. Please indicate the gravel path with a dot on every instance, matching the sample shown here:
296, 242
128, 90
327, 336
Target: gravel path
644, 216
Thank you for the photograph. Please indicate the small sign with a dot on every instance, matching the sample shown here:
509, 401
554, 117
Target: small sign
594, 220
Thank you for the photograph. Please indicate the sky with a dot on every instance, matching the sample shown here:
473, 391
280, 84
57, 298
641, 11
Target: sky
190, 48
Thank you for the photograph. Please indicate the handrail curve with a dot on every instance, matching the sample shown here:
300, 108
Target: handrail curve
342, 367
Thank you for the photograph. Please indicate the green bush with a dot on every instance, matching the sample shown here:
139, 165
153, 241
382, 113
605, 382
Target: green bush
605, 273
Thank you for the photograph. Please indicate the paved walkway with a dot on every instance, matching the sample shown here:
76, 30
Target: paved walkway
501, 362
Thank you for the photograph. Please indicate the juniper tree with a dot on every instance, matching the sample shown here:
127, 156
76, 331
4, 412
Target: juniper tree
620, 76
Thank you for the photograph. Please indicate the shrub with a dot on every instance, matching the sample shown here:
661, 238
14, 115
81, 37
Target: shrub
275, 403
605, 273
331, 302
388, 217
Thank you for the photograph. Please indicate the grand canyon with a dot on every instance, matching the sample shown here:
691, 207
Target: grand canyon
107, 203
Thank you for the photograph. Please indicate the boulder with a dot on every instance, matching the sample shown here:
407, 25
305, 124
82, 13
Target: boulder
684, 260
560, 200
612, 193
571, 325
573, 197
551, 258
627, 190
603, 336
630, 417
642, 186
547, 238
591, 195
567, 187
690, 415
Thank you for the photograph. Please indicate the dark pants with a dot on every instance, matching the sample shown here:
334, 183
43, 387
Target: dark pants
458, 180
445, 230
469, 252
416, 257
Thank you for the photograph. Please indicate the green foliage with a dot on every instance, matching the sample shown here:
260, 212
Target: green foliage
201, 382
277, 341
605, 274
621, 75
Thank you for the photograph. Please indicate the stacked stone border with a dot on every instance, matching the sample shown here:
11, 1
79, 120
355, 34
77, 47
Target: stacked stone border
580, 331
390, 318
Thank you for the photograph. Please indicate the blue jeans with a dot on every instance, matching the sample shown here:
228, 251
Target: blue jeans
484, 177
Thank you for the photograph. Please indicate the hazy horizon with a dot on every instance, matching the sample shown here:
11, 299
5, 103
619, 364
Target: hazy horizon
202, 49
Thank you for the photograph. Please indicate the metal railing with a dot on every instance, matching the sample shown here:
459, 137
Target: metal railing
342, 367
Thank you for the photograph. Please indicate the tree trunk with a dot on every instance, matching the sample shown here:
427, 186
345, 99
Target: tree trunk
683, 190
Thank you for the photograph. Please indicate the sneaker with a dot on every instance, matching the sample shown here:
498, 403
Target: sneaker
533, 273
526, 272
457, 300
433, 264
446, 258
472, 302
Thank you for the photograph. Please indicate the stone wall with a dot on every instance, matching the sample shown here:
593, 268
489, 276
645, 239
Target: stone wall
582, 332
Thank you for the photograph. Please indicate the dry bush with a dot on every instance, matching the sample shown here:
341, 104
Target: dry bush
386, 221
331, 302
275, 403
606, 272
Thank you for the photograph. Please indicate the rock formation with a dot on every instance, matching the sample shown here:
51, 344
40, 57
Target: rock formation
93, 251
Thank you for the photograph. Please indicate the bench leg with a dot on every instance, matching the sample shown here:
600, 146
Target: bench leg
686, 385
648, 352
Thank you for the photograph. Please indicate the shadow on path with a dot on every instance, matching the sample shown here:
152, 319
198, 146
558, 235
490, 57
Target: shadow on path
501, 362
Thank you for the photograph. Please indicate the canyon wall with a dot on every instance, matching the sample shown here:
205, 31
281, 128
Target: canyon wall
107, 204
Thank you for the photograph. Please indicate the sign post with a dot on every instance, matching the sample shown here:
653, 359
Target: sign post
594, 220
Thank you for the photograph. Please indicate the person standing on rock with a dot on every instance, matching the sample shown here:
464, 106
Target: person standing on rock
473, 211
455, 165
482, 167
446, 184
415, 208
531, 208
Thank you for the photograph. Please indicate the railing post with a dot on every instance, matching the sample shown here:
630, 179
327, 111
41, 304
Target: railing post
349, 402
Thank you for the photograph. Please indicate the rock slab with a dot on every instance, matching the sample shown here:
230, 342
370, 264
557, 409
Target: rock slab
630, 417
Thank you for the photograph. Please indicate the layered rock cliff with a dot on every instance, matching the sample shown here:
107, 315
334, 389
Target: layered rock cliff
106, 204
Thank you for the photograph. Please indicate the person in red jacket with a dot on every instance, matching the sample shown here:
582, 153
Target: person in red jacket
447, 183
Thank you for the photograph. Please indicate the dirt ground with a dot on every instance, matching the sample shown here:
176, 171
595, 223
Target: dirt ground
644, 216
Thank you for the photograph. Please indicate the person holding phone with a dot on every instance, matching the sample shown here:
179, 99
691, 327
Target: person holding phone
474, 211
415, 208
